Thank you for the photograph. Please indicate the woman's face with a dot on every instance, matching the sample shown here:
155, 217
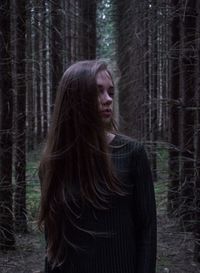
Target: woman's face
106, 94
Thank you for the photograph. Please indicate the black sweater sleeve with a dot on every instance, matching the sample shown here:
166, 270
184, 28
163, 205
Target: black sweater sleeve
145, 214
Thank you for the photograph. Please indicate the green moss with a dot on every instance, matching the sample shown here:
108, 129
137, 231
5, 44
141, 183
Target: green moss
33, 185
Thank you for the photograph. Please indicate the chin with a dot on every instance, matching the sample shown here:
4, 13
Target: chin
107, 123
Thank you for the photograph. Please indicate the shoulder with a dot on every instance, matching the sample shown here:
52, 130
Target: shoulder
129, 147
123, 141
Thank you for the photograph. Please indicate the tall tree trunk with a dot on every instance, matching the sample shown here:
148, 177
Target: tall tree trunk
197, 157
173, 186
20, 135
44, 67
88, 12
29, 80
189, 76
38, 39
154, 88
132, 62
124, 24
68, 23
73, 30
7, 240
57, 45
165, 32
197, 167
146, 134
80, 30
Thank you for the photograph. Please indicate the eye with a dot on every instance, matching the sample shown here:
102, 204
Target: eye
100, 88
111, 92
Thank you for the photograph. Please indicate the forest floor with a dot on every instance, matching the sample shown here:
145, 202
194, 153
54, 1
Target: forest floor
175, 247
175, 251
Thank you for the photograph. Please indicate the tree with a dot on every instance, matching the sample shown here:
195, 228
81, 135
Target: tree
57, 45
153, 85
174, 137
7, 240
197, 146
189, 85
30, 77
45, 53
20, 127
88, 28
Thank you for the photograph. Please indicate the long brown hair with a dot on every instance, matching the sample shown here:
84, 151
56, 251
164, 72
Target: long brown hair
75, 167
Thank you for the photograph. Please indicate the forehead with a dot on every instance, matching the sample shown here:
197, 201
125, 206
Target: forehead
104, 78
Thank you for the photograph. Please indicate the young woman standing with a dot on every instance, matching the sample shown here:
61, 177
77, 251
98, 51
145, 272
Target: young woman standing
97, 201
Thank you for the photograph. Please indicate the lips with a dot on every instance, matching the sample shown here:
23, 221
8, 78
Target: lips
106, 113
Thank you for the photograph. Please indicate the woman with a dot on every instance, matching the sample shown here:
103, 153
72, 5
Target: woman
97, 202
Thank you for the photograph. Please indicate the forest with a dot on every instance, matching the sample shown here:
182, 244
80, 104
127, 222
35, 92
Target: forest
153, 48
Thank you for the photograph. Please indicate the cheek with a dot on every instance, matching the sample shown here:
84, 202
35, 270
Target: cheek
100, 100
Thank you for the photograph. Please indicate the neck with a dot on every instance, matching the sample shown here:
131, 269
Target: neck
109, 137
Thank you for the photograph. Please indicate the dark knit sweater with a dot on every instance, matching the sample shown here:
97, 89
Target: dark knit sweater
126, 233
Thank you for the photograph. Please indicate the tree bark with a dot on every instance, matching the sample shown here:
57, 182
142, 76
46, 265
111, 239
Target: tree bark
20, 134
174, 140
44, 67
197, 154
37, 54
7, 240
189, 86
88, 17
30, 80
57, 46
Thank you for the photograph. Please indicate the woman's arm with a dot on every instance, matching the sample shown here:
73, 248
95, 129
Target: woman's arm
145, 214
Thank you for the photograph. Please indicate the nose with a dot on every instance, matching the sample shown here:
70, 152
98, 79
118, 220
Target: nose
106, 99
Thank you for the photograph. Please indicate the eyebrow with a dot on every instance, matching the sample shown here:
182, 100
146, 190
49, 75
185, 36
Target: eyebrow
111, 87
